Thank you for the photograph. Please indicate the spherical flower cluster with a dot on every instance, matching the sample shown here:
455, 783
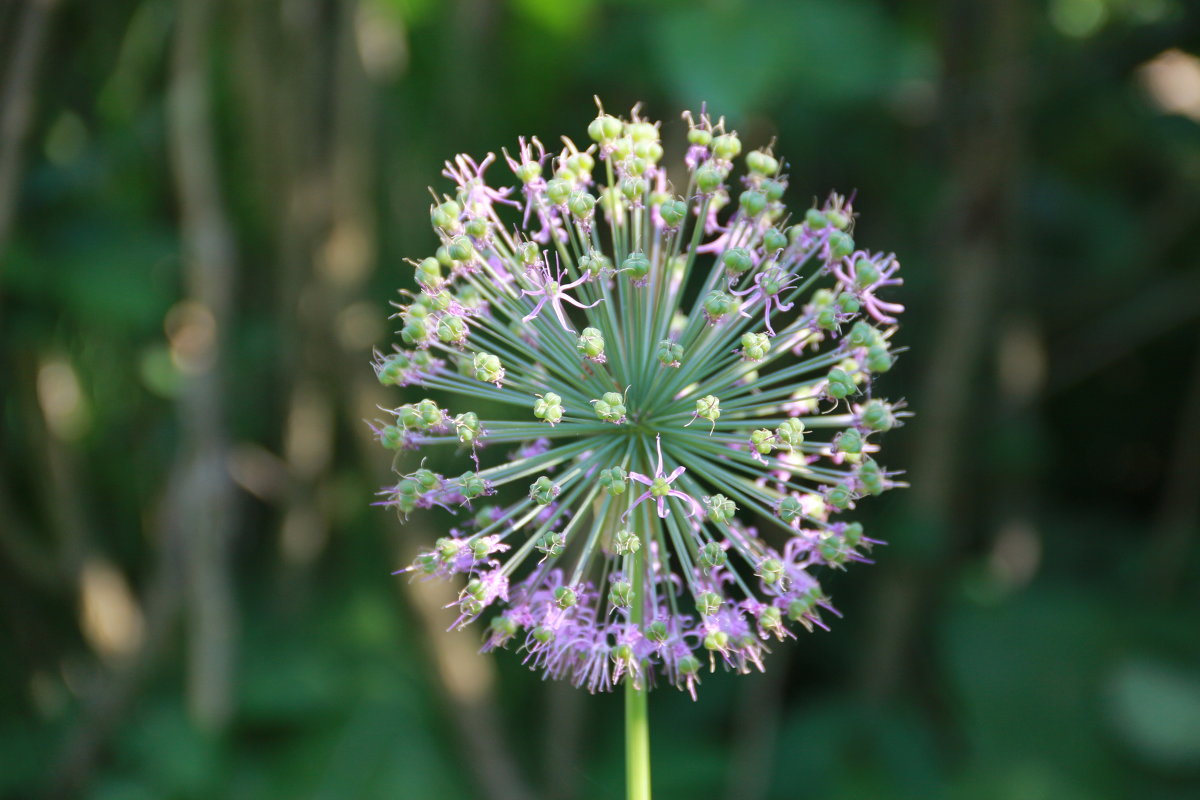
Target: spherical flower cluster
636, 375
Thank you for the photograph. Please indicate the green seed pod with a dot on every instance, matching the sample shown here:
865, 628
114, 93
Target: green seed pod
391, 437
736, 261
871, 477
669, 353
429, 274
549, 408
790, 509
452, 329
488, 368
716, 640
841, 244
626, 542
712, 555
763, 441
709, 408
762, 162
770, 570
878, 358
727, 146
849, 441
673, 212
774, 241
558, 190
552, 544
790, 433
543, 491
718, 304
709, 603
755, 346
839, 384
582, 204
720, 510
637, 265
478, 229
610, 407
752, 202
709, 178
865, 273
620, 594
839, 497
615, 480
591, 344
877, 416
565, 597
471, 485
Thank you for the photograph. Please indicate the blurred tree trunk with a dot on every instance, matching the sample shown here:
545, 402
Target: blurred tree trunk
206, 507
24, 43
987, 43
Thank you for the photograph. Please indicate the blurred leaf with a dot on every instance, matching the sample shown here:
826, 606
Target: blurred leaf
1156, 711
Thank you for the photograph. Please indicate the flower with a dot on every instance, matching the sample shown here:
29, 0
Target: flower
605, 537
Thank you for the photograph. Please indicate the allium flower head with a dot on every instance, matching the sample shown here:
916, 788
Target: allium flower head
660, 384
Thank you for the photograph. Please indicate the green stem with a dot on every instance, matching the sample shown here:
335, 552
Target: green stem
637, 715
637, 742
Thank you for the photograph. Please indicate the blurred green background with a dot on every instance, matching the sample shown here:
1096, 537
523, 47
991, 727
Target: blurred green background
204, 207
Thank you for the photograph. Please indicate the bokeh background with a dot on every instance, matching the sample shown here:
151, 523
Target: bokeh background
204, 207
